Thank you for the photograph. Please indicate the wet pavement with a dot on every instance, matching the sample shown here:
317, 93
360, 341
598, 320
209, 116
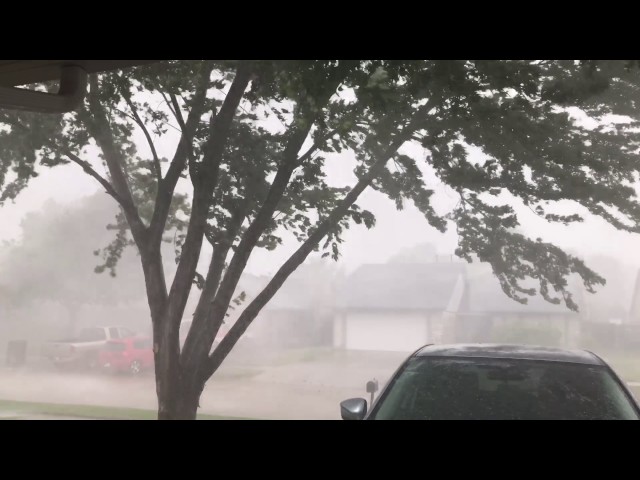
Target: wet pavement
309, 389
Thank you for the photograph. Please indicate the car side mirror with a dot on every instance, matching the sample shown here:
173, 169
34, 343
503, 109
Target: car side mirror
353, 409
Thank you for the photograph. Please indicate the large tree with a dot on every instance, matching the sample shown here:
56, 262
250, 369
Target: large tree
249, 181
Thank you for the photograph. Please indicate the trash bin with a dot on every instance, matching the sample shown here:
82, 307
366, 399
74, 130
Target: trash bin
16, 353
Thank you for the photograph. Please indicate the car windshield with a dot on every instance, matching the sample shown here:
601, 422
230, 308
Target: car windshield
485, 389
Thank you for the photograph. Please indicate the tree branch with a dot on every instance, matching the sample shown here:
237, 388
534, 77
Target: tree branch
168, 184
307, 118
201, 202
166, 100
315, 147
176, 111
100, 129
136, 117
191, 161
216, 267
86, 166
299, 256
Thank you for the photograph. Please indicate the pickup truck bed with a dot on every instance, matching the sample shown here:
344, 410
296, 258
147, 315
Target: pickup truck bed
84, 350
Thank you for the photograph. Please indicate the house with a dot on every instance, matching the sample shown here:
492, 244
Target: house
487, 314
300, 314
397, 306
402, 306
296, 317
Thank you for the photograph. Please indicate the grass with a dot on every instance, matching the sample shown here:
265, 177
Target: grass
19, 410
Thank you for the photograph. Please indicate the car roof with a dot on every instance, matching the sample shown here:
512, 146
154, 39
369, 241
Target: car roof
514, 352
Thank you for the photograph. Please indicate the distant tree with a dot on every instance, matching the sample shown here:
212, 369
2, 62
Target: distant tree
54, 258
423, 253
249, 182
615, 299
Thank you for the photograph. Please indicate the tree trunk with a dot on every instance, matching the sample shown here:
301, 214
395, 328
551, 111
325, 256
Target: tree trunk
178, 395
174, 399
178, 392
186, 408
177, 399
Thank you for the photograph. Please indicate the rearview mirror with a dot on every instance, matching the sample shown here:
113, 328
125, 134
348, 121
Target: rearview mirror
353, 409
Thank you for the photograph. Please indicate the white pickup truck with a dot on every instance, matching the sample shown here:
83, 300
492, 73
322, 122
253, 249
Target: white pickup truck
84, 350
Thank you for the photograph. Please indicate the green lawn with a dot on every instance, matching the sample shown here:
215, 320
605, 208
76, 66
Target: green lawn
11, 410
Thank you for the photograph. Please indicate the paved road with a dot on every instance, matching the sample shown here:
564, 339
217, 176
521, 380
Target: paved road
310, 390
309, 387
299, 390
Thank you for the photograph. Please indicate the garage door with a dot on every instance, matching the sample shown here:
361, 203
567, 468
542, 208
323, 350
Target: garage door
385, 332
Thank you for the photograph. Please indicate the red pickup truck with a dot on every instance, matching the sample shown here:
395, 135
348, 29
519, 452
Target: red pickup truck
83, 351
133, 355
